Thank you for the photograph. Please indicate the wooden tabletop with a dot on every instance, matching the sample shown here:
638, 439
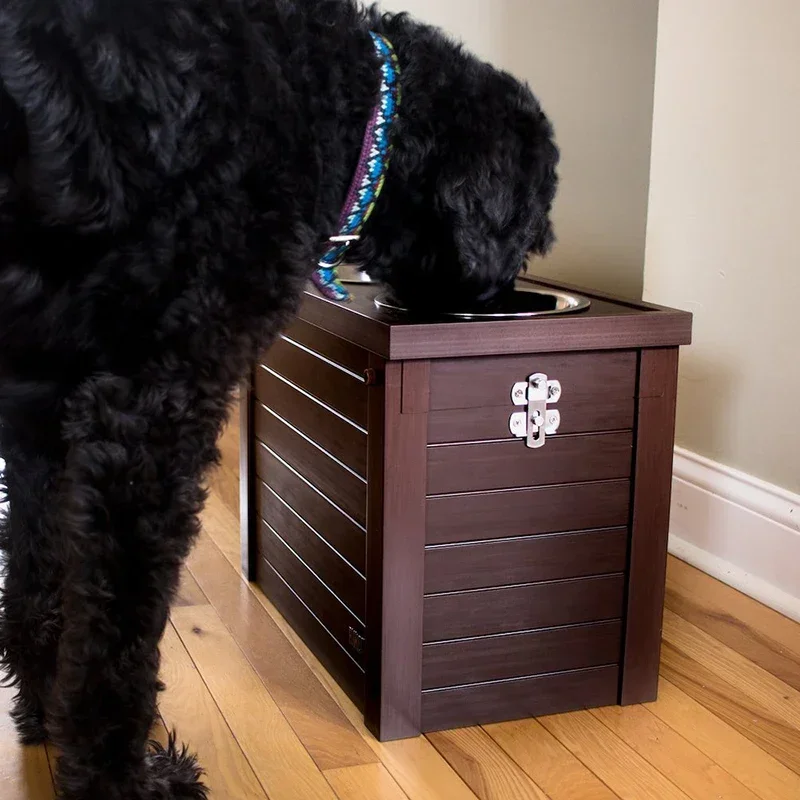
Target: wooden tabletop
610, 324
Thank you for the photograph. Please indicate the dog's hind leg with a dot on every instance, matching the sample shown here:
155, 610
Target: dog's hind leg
137, 456
30, 617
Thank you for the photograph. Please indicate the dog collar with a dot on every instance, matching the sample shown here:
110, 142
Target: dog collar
370, 174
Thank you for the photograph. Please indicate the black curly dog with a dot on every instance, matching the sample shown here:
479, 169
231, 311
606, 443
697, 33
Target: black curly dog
169, 171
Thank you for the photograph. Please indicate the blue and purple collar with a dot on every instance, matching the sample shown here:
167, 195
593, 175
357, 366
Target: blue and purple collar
369, 177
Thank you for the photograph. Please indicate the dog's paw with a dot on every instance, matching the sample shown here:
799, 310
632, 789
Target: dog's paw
29, 723
175, 773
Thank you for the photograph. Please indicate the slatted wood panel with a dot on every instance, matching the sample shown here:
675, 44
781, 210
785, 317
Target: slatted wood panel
527, 512
452, 568
539, 605
519, 655
339, 351
527, 697
509, 465
312, 462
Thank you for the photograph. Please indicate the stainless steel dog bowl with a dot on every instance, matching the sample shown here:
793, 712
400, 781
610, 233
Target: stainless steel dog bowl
524, 302
351, 274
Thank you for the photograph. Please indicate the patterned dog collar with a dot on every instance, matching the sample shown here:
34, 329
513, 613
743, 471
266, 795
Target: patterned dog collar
370, 175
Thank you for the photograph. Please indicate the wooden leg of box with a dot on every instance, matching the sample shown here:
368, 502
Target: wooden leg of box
658, 377
396, 550
246, 478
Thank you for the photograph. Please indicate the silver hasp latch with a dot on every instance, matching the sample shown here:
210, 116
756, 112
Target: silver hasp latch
538, 421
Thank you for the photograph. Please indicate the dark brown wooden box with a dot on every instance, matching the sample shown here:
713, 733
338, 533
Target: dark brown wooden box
445, 573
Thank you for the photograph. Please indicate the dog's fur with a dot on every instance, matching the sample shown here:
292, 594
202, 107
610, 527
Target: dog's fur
168, 172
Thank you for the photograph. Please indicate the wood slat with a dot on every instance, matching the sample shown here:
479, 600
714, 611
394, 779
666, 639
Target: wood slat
335, 659
681, 762
623, 770
755, 631
340, 577
484, 767
322, 603
341, 532
278, 758
542, 605
560, 774
732, 750
188, 706
336, 436
345, 489
340, 351
527, 512
337, 388
452, 568
519, 655
509, 465
528, 697
322, 727
368, 782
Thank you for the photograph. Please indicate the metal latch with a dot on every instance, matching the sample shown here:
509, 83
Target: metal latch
538, 421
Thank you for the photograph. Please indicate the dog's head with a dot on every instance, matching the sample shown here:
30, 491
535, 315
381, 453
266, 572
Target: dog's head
472, 180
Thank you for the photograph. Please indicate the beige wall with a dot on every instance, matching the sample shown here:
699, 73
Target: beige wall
724, 224
591, 62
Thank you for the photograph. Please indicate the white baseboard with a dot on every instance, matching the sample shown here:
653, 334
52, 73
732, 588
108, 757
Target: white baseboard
741, 530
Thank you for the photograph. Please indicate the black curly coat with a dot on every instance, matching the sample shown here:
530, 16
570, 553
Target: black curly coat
168, 172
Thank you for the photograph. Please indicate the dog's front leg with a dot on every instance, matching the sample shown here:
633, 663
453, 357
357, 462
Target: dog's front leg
136, 458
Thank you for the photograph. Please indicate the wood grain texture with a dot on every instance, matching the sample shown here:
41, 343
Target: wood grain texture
559, 773
755, 631
655, 440
542, 605
277, 756
332, 654
481, 565
508, 465
246, 481
609, 325
329, 521
318, 721
731, 749
342, 439
343, 487
623, 770
471, 398
520, 655
686, 766
337, 619
188, 705
340, 351
368, 782
527, 512
339, 576
528, 697
484, 766
396, 555
336, 387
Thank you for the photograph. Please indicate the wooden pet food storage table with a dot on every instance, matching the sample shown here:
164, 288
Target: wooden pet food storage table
446, 572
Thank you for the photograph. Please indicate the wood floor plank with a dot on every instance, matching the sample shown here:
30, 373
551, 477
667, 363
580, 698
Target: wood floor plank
484, 766
732, 704
751, 629
608, 757
758, 770
277, 756
316, 719
189, 593
551, 766
414, 763
672, 755
188, 706
24, 771
366, 782
222, 527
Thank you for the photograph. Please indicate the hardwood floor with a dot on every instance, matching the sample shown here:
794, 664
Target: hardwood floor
268, 722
